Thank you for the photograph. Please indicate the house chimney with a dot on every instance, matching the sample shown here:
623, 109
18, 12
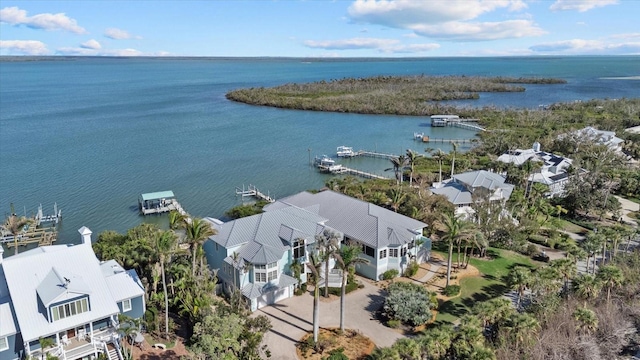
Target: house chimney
536, 146
86, 235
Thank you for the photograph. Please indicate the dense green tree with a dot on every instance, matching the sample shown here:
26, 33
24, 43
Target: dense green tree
198, 231
409, 303
611, 277
586, 287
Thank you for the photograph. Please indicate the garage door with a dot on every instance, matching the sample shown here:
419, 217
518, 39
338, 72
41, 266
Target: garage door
273, 297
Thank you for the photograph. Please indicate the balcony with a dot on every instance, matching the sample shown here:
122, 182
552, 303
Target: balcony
81, 346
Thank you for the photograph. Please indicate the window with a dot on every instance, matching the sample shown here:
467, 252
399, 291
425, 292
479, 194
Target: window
298, 249
264, 273
393, 252
4, 344
69, 309
383, 254
126, 305
403, 251
412, 244
272, 273
216, 247
369, 251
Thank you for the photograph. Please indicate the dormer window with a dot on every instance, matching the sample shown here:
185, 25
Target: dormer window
70, 308
264, 273
298, 249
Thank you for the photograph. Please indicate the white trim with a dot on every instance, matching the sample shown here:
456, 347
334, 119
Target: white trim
126, 308
6, 343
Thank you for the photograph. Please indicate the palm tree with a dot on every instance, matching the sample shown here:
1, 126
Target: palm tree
328, 245
396, 198
45, 343
439, 156
408, 349
347, 259
399, 163
522, 329
591, 245
412, 156
586, 287
453, 230
493, 312
453, 159
314, 265
611, 277
15, 225
165, 243
436, 342
566, 268
198, 231
176, 220
587, 320
481, 352
519, 278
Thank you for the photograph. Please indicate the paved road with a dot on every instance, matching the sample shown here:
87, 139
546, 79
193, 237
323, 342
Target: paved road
293, 317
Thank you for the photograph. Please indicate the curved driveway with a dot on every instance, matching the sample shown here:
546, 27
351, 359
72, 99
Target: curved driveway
293, 317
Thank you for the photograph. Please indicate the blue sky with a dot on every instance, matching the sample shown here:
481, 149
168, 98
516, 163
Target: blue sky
297, 28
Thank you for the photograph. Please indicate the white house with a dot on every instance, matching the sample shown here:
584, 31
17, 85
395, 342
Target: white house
602, 137
255, 253
552, 172
461, 188
64, 293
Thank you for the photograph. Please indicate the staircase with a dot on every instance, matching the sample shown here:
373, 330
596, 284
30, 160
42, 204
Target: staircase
113, 354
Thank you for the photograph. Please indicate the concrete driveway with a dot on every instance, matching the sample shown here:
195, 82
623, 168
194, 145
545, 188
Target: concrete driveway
293, 317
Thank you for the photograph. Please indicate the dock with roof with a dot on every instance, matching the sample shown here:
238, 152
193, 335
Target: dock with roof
159, 202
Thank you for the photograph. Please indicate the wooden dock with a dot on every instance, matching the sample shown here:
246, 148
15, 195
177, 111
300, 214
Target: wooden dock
253, 191
167, 206
40, 236
375, 154
341, 169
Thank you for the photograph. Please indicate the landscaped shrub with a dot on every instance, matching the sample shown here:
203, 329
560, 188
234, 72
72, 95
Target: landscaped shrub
337, 354
393, 323
530, 250
411, 269
336, 290
298, 292
409, 303
538, 239
451, 290
390, 274
303, 287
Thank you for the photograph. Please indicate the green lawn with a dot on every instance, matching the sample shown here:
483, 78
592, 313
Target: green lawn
474, 289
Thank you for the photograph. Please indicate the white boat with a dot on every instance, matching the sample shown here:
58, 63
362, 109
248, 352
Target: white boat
326, 163
345, 151
418, 136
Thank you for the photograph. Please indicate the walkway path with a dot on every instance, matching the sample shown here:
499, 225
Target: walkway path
627, 207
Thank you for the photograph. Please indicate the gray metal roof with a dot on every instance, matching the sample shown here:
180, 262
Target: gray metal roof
157, 195
265, 237
27, 271
456, 193
123, 284
59, 285
368, 223
480, 178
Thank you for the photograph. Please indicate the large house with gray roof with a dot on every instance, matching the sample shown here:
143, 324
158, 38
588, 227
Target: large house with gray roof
464, 189
552, 170
255, 253
64, 293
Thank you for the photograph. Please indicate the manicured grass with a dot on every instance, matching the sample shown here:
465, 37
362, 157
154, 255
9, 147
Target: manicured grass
571, 227
481, 288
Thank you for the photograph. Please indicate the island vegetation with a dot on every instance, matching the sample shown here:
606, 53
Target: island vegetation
398, 95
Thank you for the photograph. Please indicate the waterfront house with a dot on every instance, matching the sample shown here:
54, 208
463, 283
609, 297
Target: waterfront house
553, 170
607, 138
62, 292
462, 190
255, 253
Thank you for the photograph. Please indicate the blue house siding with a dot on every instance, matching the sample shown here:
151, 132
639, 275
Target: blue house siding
215, 254
15, 348
137, 308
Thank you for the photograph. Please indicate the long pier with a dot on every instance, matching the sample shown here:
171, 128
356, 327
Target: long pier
341, 169
458, 141
254, 192
374, 154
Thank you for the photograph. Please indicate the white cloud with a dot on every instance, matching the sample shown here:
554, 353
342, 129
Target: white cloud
119, 34
382, 45
46, 21
24, 47
81, 51
479, 31
580, 5
91, 44
449, 20
588, 47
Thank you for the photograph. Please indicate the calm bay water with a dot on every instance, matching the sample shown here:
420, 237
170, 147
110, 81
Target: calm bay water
92, 134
